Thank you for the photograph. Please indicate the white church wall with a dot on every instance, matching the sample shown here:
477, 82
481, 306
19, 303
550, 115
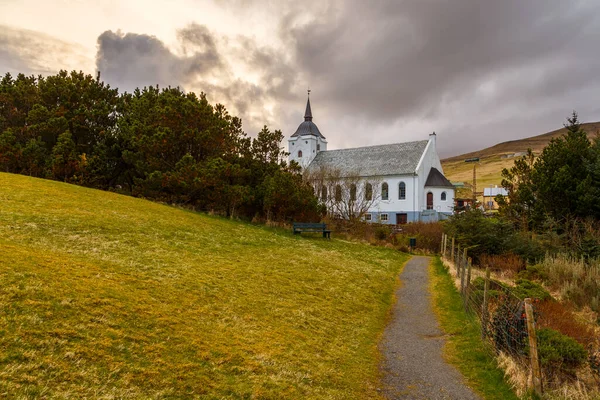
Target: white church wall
440, 205
429, 159
309, 146
394, 205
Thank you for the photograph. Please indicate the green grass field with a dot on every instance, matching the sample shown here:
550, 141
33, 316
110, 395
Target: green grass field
112, 297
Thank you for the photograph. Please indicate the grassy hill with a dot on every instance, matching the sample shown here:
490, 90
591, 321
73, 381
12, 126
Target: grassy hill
108, 296
494, 159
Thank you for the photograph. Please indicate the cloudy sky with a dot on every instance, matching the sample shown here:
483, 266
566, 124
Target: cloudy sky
476, 72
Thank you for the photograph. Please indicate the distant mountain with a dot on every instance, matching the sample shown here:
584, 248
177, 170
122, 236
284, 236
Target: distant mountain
493, 159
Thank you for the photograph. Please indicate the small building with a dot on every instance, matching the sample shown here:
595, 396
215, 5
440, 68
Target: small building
405, 180
489, 197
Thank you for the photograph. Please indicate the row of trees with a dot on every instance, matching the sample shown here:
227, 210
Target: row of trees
164, 145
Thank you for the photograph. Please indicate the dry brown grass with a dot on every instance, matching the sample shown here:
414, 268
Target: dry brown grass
508, 265
428, 234
561, 317
577, 281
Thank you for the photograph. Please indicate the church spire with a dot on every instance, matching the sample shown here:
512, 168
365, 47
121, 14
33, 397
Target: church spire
308, 113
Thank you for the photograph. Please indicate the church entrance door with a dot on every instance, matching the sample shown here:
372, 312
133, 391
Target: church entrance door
429, 201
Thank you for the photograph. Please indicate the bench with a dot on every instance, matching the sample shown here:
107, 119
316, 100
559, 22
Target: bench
300, 227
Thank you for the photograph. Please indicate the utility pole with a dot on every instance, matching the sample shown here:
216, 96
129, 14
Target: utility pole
475, 161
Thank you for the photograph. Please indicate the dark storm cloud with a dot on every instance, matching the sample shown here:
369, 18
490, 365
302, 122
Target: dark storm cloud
395, 58
478, 72
135, 60
387, 71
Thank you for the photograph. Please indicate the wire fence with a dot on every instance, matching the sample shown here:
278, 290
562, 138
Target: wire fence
536, 358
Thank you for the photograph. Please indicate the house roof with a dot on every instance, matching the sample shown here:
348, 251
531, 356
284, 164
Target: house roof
308, 127
389, 159
437, 179
489, 192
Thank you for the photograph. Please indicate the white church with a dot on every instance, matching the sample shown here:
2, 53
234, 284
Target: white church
413, 185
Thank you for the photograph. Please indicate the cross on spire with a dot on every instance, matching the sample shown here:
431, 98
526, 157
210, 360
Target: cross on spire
308, 113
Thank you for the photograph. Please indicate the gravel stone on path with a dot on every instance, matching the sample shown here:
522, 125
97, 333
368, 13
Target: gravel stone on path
413, 367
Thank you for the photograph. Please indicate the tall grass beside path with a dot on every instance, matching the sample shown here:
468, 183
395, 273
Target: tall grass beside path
464, 347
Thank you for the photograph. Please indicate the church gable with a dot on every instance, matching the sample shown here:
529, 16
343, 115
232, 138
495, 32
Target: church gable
437, 179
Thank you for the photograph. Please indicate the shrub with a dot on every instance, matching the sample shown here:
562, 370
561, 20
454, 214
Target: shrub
477, 287
559, 353
481, 234
533, 272
528, 246
526, 289
382, 232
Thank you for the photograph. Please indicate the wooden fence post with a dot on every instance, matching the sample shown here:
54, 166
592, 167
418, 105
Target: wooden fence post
467, 281
462, 272
469, 265
445, 245
533, 353
463, 290
442, 246
452, 250
484, 305
464, 262
457, 261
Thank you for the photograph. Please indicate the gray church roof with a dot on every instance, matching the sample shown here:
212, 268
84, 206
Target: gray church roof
308, 127
388, 159
437, 179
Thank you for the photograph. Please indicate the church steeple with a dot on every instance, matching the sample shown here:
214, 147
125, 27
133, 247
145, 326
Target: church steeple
308, 112
307, 142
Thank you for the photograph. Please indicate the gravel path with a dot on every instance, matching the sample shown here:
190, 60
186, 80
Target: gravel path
413, 367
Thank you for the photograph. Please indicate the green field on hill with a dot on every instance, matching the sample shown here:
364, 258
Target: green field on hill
108, 296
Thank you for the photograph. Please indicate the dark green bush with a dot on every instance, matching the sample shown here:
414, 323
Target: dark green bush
533, 272
477, 288
382, 233
482, 235
559, 353
526, 289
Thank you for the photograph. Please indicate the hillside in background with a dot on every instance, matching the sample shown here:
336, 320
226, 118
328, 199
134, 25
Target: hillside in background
109, 296
494, 159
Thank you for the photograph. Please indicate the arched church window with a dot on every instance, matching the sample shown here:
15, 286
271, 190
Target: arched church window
443, 196
318, 147
402, 191
353, 192
324, 193
385, 191
338, 193
368, 192
299, 153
